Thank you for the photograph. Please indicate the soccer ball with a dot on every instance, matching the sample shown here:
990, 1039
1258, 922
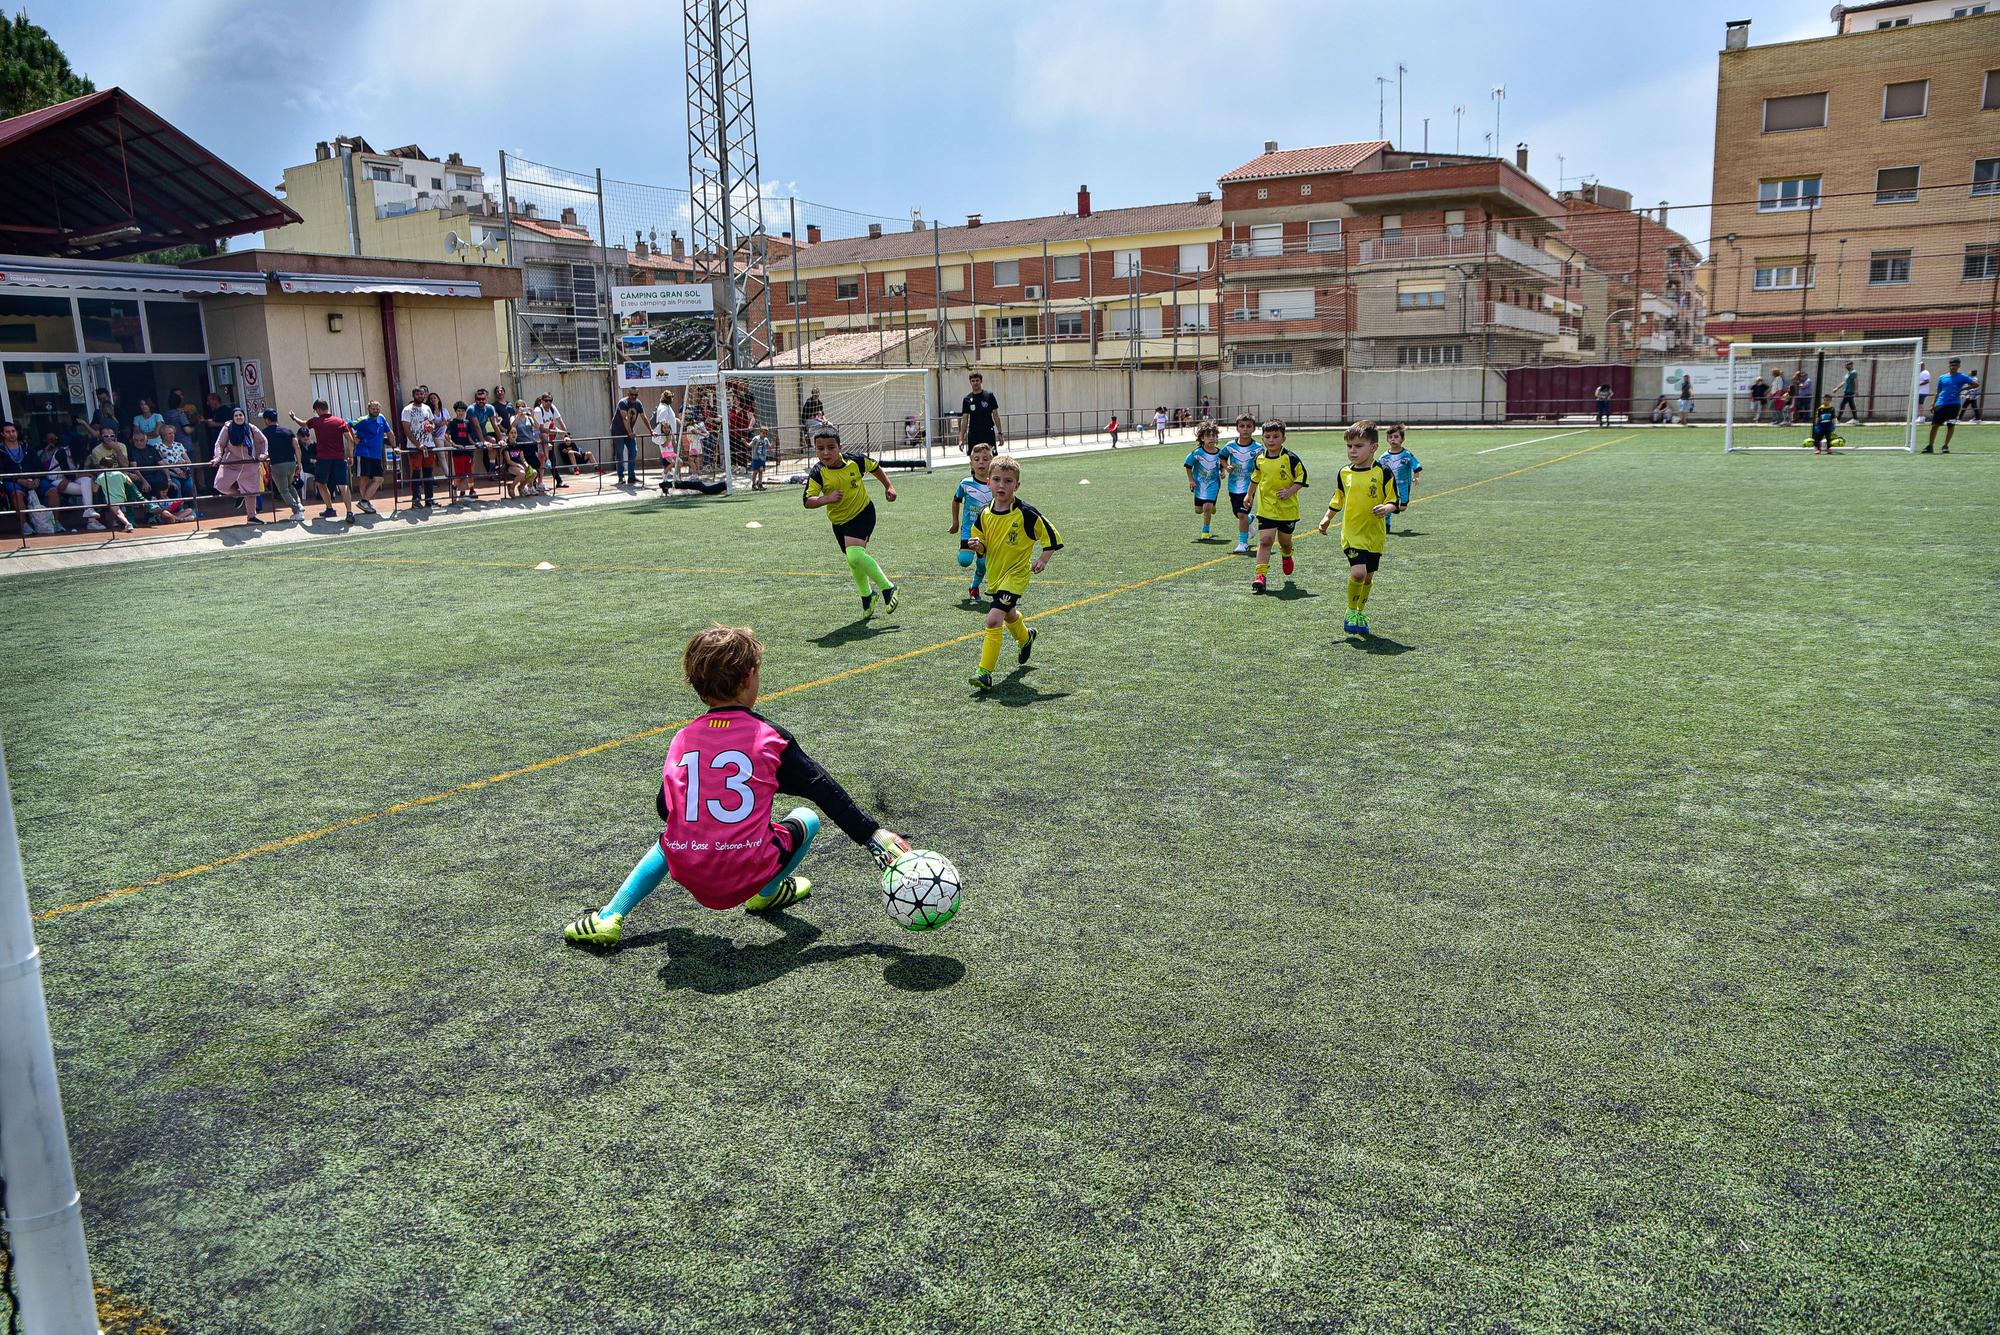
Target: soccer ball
920, 890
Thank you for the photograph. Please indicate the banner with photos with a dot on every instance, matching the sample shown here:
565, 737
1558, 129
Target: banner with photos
666, 335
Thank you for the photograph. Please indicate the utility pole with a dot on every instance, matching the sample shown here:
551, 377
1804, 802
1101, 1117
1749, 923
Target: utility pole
1381, 85
1499, 96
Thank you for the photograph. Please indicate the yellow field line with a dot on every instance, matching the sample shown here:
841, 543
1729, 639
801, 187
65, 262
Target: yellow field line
450, 563
308, 836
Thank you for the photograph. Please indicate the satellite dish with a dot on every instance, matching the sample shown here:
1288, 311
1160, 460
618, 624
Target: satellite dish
452, 244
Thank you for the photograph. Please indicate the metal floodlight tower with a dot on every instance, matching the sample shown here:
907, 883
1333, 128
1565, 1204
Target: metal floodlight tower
726, 202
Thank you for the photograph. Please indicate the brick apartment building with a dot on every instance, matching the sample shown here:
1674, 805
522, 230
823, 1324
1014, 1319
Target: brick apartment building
1857, 179
1104, 285
1370, 256
1639, 293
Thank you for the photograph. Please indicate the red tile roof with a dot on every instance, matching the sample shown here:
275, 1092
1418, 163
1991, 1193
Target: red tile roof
1102, 223
1306, 161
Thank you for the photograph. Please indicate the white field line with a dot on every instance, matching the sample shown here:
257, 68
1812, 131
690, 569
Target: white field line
1535, 441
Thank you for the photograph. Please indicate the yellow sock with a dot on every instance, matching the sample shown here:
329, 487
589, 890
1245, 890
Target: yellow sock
989, 649
1366, 586
1018, 628
1354, 591
1263, 569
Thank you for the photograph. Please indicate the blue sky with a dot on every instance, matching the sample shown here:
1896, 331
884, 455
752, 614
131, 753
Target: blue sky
951, 106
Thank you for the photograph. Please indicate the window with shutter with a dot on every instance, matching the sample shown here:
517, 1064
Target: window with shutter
1801, 111
1905, 101
1896, 185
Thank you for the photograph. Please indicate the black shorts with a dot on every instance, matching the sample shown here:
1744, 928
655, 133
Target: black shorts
1004, 600
1200, 501
368, 465
1239, 502
965, 544
1281, 525
1943, 413
981, 436
861, 527
1361, 556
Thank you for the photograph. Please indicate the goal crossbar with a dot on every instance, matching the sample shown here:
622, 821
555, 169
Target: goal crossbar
1754, 354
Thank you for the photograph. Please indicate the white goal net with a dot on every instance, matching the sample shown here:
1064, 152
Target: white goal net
886, 413
1873, 387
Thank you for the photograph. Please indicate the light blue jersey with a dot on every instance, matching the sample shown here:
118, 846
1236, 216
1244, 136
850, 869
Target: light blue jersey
972, 496
1403, 464
1207, 473
1241, 459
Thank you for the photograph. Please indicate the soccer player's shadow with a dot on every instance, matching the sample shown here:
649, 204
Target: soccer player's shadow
1290, 593
716, 966
1372, 643
852, 632
1014, 690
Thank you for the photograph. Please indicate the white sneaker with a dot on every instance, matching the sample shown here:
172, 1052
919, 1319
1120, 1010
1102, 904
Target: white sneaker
91, 525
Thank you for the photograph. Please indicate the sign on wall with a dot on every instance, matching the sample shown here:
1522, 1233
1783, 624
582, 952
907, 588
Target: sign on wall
665, 336
253, 387
1709, 379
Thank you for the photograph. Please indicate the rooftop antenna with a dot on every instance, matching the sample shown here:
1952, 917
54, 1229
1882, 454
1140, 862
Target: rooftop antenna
1401, 70
1458, 129
1499, 96
1381, 83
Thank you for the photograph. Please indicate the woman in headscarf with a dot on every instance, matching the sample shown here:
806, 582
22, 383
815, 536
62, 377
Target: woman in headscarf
240, 450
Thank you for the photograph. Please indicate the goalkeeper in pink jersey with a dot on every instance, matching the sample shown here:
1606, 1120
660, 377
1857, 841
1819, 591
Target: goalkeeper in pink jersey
722, 773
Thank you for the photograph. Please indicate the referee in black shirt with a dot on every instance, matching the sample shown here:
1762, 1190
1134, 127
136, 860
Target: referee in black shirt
978, 417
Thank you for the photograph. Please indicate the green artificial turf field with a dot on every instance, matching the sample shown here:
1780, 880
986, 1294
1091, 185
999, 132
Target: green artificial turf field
1609, 944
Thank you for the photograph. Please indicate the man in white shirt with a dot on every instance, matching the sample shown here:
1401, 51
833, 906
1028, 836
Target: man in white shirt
667, 426
418, 421
555, 435
1923, 386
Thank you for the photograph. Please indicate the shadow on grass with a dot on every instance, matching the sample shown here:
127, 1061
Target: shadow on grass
1376, 644
1406, 533
1013, 691
716, 966
853, 632
1291, 593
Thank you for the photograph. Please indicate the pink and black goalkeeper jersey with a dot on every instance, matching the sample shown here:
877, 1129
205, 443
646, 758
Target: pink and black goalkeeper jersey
722, 775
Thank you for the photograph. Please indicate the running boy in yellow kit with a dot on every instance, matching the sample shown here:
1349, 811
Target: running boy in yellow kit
1364, 496
1006, 533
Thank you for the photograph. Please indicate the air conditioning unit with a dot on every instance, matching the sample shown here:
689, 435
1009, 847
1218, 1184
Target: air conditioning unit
1031, 292
895, 289
1239, 250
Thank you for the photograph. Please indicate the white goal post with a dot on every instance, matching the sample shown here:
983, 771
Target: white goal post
1886, 391
886, 412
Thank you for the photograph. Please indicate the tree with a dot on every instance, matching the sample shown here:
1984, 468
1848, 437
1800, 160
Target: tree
34, 72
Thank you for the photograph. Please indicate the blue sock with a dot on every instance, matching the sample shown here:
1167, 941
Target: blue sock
979, 571
644, 880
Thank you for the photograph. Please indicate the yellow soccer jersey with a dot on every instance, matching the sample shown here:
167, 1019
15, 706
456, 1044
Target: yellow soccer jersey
1356, 493
1269, 476
850, 479
1011, 536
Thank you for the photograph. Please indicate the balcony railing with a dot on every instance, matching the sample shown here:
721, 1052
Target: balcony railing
1460, 245
1542, 324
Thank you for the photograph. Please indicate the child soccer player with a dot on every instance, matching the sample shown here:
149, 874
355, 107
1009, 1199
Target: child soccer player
1006, 533
462, 439
1822, 427
722, 772
838, 483
1364, 496
1403, 466
1278, 477
968, 498
1242, 452
1204, 471
760, 458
